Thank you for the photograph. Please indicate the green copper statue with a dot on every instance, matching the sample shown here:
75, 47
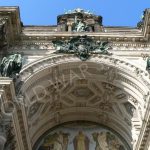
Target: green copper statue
11, 65
82, 46
79, 26
102, 47
148, 64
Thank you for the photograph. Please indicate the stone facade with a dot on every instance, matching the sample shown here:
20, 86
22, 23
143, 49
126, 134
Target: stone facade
55, 87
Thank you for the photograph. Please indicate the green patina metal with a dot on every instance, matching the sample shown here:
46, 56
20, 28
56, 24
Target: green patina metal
82, 46
11, 65
79, 26
148, 64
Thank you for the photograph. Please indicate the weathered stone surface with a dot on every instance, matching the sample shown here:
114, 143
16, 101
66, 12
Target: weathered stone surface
56, 88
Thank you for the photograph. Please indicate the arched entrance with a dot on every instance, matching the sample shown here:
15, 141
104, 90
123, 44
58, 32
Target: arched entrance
105, 90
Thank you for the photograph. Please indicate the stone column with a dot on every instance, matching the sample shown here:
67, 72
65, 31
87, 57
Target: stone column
97, 28
2, 142
69, 24
61, 27
90, 29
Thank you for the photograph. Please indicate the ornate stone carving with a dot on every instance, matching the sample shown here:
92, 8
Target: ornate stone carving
129, 108
127, 43
7, 131
48, 45
34, 109
128, 122
57, 117
69, 103
11, 142
104, 117
82, 92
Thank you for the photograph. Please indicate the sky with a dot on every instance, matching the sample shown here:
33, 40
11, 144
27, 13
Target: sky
114, 12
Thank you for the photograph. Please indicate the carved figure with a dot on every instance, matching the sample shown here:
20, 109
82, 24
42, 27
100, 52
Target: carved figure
102, 47
82, 46
57, 141
113, 142
81, 142
148, 64
11, 65
79, 26
101, 141
107, 141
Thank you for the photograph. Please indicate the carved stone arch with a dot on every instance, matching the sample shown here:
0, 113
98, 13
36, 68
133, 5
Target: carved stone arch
129, 84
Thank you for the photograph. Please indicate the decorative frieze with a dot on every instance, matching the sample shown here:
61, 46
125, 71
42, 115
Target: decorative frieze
48, 45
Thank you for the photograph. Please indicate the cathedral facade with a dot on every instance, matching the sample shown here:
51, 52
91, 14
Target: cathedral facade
77, 85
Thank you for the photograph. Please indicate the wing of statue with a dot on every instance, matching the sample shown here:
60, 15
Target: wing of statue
106, 45
58, 43
60, 46
2, 64
75, 39
4, 60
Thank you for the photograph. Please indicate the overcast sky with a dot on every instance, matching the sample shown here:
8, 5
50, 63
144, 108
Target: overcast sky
114, 12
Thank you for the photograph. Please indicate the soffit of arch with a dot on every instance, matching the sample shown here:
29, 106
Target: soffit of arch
101, 63
86, 94
125, 102
103, 72
69, 72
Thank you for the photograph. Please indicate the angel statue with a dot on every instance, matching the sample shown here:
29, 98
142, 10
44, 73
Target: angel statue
11, 65
148, 64
102, 47
56, 141
79, 26
101, 141
113, 142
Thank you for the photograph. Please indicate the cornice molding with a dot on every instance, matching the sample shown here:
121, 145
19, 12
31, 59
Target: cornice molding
48, 45
44, 33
